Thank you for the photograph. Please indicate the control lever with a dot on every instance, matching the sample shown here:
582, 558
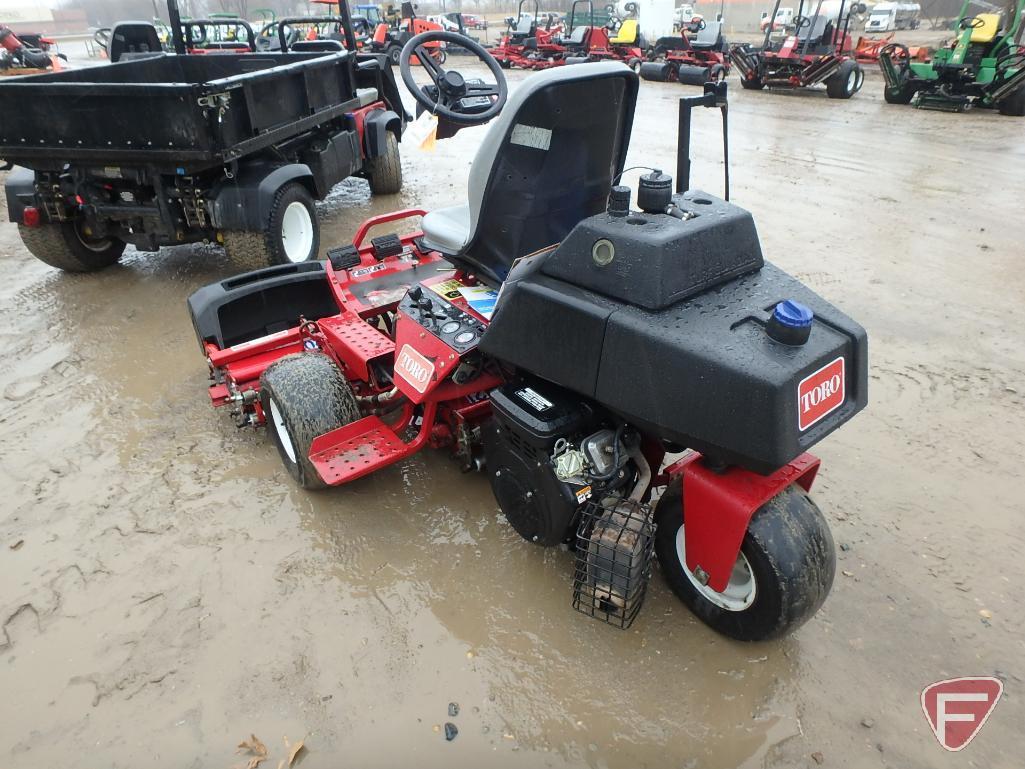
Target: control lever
713, 96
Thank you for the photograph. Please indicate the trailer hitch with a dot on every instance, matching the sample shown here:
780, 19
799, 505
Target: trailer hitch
714, 96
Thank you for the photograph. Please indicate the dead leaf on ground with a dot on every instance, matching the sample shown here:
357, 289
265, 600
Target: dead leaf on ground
255, 748
293, 751
17, 545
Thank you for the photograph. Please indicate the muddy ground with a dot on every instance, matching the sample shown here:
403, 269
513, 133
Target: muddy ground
165, 590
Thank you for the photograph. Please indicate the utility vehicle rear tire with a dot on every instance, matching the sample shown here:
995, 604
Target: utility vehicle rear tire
304, 395
63, 245
1013, 105
754, 84
846, 81
385, 171
903, 95
291, 233
394, 53
783, 573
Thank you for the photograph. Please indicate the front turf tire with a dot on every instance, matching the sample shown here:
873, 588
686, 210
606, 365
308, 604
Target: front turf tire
384, 172
290, 233
63, 245
753, 84
787, 552
304, 395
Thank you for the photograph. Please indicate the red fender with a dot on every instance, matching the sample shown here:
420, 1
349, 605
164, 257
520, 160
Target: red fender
720, 506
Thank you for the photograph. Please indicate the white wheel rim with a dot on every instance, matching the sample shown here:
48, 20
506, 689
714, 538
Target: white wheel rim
297, 232
740, 590
852, 80
282, 431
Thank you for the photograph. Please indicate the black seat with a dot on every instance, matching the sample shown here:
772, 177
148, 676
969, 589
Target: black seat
133, 37
547, 162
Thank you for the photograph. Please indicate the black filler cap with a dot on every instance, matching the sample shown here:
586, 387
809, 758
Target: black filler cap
619, 200
655, 192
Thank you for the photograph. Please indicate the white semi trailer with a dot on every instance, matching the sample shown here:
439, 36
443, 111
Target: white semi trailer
886, 17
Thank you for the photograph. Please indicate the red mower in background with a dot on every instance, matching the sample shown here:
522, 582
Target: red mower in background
389, 39
698, 55
820, 51
551, 334
29, 56
520, 46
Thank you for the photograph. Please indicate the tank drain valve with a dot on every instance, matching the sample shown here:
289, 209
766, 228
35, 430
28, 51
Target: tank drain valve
790, 323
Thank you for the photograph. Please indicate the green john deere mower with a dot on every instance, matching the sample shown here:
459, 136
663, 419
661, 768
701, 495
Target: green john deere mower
984, 66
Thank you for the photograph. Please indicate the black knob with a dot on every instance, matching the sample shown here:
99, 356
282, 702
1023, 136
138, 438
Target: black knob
415, 293
619, 200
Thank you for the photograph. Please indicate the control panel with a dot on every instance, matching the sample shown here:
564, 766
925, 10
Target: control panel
450, 323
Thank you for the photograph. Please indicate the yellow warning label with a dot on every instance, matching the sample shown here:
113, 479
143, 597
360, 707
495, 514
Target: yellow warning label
583, 494
447, 288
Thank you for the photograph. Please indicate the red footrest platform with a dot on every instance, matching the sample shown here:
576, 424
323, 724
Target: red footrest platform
355, 450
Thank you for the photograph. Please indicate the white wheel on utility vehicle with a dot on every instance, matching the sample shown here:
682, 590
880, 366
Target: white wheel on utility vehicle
297, 232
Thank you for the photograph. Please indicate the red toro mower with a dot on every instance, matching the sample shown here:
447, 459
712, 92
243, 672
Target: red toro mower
819, 52
696, 57
582, 351
526, 41
28, 56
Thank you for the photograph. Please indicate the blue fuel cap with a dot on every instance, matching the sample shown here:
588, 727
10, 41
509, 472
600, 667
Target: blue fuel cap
793, 314
790, 323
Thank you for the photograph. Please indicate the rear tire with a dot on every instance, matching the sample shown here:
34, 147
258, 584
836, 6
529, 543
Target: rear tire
385, 171
846, 81
783, 574
63, 245
291, 233
304, 395
634, 64
1013, 105
754, 84
394, 53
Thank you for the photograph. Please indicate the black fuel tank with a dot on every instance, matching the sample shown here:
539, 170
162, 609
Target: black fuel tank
702, 371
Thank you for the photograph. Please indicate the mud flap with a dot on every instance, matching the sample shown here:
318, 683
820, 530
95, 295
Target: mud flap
720, 507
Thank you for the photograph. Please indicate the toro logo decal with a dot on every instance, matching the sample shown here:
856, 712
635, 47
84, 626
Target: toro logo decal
958, 707
820, 393
414, 368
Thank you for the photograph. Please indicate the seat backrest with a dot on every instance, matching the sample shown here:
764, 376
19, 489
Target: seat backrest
303, 46
626, 34
709, 37
815, 29
988, 30
133, 37
547, 162
524, 25
578, 35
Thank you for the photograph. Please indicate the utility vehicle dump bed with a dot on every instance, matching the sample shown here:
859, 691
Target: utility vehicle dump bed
181, 114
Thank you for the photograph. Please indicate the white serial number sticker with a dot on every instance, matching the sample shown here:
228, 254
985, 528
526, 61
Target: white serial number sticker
531, 136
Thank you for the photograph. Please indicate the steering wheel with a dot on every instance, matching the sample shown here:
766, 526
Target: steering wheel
801, 21
453, 97
971, 22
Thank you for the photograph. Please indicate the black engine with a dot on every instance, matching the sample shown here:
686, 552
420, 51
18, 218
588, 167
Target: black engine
547, 454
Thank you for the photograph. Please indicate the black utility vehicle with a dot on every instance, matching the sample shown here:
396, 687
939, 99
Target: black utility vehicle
229, 147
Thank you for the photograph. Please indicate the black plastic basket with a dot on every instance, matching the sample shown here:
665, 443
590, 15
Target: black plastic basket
615, 542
